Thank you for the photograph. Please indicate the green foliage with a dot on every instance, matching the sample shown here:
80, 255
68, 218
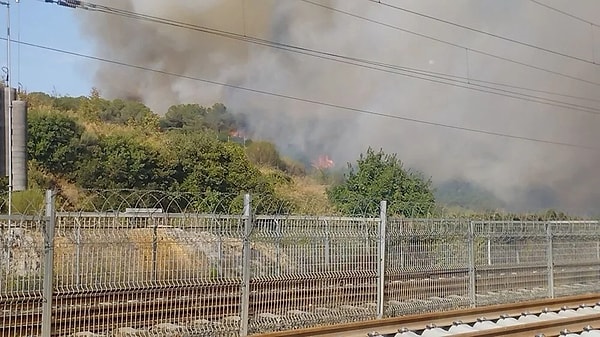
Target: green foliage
328, 176
37, 100
119, 161
467, 195
96, 109
293, 167
3, 183
279, 178
379, 176
264, 154
196, 117
124, 112
217, 170
54, 141
31, 202
203, 163
67, 103
90, 108
38, 178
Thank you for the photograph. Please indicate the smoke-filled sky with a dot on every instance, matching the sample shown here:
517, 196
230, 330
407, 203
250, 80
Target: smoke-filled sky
525, 174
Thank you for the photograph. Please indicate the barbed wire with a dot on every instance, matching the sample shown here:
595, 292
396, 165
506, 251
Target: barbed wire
32, 202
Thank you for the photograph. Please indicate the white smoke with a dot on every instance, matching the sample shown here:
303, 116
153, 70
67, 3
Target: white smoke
515, 170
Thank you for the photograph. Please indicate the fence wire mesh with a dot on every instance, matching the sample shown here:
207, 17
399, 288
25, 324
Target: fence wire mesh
166, 264
21, 274
426, 265
511, 261
309, 270
576, 256
179, 269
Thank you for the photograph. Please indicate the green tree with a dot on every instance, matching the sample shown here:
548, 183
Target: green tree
54, 141
218, 171
379, 176
264, 153
121, 162
66, 103
196, 117
38, 100
184, 116
125, 112
91, 107
219, 119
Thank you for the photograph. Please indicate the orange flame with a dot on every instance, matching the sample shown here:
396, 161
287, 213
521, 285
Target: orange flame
323, 162
237, 133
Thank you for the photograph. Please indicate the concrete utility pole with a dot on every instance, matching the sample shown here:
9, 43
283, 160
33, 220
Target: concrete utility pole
10, 106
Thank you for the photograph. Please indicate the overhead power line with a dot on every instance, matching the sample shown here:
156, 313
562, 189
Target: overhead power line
446, 79
432, 38
312, 101
497, 36
563, 12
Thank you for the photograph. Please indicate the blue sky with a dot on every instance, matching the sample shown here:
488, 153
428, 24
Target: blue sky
37, 22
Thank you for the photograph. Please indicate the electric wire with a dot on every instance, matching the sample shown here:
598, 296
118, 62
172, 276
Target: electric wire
530, 45
432, 38
312, 101
447, 79
563, 12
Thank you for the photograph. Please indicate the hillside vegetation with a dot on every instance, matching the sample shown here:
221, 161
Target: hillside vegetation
79, 144
91, 143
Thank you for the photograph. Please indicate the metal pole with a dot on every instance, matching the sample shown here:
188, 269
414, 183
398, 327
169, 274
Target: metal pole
154, 253
472, 276
489, 252
381, 259
78, 256
279, 237
245, 303
10, 112
48, 264
327, 247
550, 258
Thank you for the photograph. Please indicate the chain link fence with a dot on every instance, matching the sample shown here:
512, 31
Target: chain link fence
126, 263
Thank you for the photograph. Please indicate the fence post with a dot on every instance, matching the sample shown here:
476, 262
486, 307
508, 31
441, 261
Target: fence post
154, 252
78, 255
550, 258
472, 278
245, 302
327, 247
381, 259
48, 264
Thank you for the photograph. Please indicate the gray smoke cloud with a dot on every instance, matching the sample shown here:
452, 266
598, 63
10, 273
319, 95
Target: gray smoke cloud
526, 175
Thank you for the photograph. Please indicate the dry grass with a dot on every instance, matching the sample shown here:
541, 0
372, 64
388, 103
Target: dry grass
308, 195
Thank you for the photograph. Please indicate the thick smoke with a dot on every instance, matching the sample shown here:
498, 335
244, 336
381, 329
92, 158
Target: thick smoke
527, 175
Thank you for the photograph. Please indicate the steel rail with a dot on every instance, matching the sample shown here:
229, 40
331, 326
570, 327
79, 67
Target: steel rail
141, 306
445, 318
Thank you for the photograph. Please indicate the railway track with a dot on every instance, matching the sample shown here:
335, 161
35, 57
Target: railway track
540, 317
107, 309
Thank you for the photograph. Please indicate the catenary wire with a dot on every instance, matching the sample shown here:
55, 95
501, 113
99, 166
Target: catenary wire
432, 38
460, 82
301, 50
313, 101
563, 12
483, 32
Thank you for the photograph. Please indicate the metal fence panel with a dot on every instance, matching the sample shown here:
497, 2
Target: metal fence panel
21, 274
180, 271
510, 261
426, 265
576, 256
154, 274
308, 271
